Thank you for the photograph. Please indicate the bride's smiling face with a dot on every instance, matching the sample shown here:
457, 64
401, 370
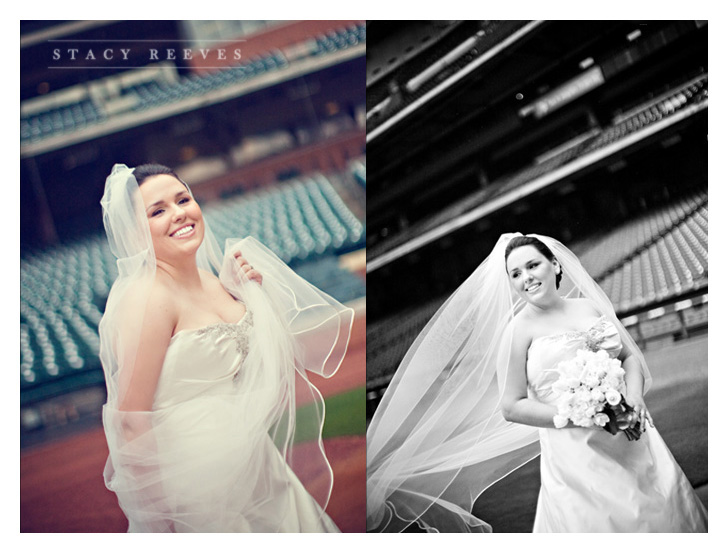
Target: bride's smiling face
175, 218
531, 274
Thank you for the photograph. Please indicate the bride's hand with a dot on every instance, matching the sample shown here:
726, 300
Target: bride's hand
640, 409
248, 271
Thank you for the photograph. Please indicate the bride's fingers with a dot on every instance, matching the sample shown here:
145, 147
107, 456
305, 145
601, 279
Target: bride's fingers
649, 418
645, 418
247, 269
252, 274
244, 265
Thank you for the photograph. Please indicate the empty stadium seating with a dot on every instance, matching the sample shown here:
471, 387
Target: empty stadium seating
339, 39
154, 93
301, 218
67, 119
143, 96
389, 339
661, 108
64, 289
660, 257
635, 234
662, 254
359, 170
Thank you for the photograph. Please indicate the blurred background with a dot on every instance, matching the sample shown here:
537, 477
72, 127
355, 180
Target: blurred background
593, 132
265, 120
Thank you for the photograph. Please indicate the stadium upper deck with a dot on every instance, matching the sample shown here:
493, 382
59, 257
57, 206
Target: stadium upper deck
566, 128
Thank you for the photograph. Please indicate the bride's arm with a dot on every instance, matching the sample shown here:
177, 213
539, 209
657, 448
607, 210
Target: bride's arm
635, 382
139, 381
516, 406
633, 374
137, 425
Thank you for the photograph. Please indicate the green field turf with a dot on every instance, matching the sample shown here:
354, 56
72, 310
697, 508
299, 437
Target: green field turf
345, 416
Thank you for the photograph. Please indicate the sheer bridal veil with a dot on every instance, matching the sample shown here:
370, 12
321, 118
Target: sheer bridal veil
438, 440
297, 328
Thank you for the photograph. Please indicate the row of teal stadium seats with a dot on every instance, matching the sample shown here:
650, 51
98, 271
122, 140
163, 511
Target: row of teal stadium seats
147, 95
359, 170
64, 289
339, 39
659, 259
155, 94
305, 217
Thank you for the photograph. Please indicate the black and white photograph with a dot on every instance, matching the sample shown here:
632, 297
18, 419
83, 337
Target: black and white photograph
192, 276
537, 276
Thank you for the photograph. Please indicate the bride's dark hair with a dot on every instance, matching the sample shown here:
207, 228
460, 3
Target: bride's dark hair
519, 241
143, 172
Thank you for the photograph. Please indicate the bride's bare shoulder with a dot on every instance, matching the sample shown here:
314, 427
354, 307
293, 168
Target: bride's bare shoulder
212, 283
584, 307
208, 277
522, 326
165, 297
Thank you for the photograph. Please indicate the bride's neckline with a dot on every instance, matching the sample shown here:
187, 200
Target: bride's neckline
202, 328
572, 332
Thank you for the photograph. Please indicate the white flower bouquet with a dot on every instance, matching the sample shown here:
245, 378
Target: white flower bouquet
592, 388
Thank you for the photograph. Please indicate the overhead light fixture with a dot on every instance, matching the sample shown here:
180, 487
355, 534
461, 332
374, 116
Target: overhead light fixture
588, 62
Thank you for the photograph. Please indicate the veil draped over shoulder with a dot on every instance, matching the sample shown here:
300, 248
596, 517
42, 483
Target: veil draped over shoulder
438, 440
297, 328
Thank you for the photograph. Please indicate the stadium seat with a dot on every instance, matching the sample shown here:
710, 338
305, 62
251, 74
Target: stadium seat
64, 289
622, 126
156, 93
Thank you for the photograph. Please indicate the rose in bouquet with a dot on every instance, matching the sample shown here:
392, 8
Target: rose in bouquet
591, 387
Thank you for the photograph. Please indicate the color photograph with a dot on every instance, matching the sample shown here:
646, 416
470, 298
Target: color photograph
193, 287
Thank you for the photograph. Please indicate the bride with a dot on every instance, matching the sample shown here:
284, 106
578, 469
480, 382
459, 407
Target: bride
205, 359
479, 394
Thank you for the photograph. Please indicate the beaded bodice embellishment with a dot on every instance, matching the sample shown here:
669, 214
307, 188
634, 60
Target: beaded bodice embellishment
546, 352
593, 337
238, 332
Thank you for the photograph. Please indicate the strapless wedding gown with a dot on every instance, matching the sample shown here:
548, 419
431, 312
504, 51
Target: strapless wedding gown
592, 481
216, 468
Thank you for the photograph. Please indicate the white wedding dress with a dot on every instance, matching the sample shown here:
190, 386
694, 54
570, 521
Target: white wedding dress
216, 468
592, 481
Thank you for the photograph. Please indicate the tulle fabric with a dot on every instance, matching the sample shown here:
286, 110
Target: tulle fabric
199, 442
438, 439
